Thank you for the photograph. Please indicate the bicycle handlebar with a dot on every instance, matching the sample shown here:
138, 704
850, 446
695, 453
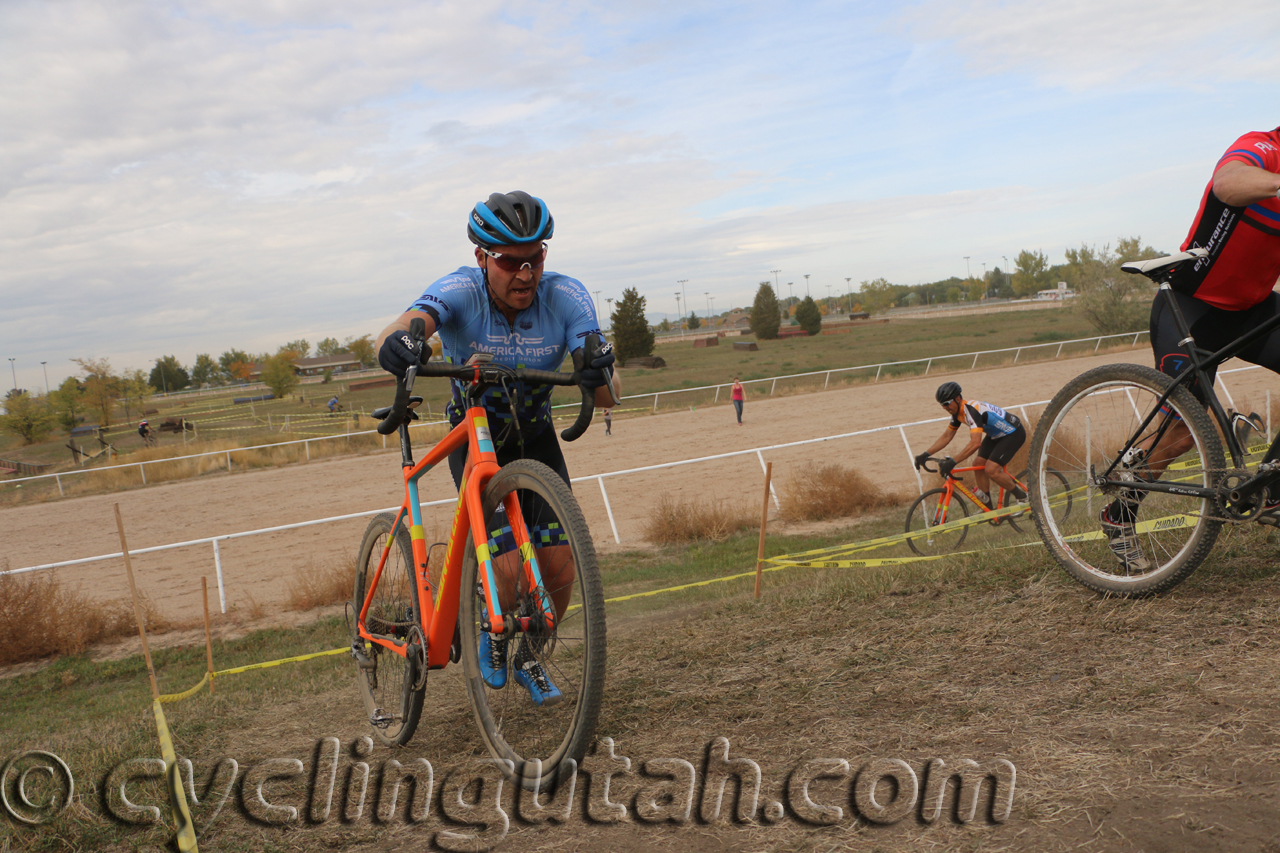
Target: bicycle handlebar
489, 374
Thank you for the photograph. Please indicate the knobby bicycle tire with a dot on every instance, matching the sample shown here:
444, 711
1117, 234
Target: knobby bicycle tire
537, 740
1085, 427
923, 515
392, 686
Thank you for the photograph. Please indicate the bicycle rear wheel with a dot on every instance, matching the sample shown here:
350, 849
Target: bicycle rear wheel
1083, 430
572, 655
1059, 496
928, 513
392, 686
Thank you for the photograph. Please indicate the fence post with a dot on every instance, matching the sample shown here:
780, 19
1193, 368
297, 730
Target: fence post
717, 399
143, 472
765, 468
63, 494
1016, 355
1098, 344
928, 365
878, 368
217, 565
609, 509
228, 461
828, 382
1135, 338
774, 385
307, 445
907, 444
1058, 354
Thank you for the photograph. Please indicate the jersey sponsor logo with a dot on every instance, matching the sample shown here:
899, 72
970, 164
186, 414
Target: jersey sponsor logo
457, 285
1265, 146
519, 339
526, 324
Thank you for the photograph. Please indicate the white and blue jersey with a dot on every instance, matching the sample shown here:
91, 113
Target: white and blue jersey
988, 418
468, 321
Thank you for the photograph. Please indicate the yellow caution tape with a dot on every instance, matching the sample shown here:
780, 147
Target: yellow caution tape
237, 669
186, 694
186, 836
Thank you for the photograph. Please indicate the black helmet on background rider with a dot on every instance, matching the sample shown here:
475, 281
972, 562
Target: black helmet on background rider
510, 219
947, 392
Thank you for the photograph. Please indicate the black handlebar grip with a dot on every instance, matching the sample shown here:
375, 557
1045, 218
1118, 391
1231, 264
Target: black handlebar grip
580, 425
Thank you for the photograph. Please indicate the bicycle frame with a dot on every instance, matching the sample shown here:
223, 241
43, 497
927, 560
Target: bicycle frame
440, 614
1200, 363
952, 483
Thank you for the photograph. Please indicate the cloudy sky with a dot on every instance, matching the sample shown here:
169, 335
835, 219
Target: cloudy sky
187, 177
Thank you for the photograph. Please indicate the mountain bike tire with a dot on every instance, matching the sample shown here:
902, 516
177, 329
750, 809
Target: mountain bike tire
1085, 426
393, 688
923, 515
538, 740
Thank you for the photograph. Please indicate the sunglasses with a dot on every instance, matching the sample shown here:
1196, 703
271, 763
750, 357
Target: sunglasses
510, 263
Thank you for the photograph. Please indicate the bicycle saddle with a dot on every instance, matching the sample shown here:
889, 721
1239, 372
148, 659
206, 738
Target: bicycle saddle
1153, 267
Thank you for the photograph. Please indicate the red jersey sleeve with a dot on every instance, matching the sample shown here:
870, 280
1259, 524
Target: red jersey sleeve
1261, 149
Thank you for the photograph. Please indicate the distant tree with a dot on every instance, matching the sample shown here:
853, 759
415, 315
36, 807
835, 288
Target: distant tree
169, 375
362, 348
765, 313
329, 346
134, 393
879, 295
25, 416
67, 402
279, 374
101, 387
665, 325
1031, 273
302, 347
1112, 301
977, 289
999, 284
204, 371
229, 359
694, 322
632, 337
809, 316
953, 294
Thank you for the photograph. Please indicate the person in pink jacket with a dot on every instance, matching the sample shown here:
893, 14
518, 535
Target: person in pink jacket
738, 396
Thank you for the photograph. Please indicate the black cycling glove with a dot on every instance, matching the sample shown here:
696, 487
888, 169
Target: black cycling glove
598, 370
921, 459
945, 466
399, 352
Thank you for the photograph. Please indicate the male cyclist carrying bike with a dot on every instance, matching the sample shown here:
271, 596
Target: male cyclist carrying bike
1222, 296
994, 434
520, 315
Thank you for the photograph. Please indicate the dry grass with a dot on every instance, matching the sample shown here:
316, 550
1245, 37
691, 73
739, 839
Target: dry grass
318, 584
821, 491
674, 521
40, 617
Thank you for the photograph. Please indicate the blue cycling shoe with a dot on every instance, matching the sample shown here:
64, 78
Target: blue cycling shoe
493, 661
533, 677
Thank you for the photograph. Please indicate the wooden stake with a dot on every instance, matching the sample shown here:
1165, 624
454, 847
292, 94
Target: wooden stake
208, 639
137, 608
764, 521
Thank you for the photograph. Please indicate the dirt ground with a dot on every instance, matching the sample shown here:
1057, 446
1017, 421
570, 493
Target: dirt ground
257, 569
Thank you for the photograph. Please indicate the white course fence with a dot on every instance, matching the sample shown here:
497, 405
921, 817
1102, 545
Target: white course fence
758, 452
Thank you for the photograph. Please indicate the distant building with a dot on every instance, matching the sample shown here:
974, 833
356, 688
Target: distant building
1056, 294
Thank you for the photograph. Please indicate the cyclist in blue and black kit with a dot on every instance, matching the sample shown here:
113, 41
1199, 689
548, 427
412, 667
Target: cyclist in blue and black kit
509, 307
994, 434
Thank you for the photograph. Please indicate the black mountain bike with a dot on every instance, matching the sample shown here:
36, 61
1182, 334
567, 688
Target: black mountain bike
1127, 433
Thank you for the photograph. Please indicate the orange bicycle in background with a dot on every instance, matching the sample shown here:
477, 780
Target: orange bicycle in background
520, 575
938, 516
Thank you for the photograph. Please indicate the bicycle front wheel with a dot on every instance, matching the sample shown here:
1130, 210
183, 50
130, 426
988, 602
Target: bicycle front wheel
928, 513
1159, 538
536, 730
392, 685
1059, 496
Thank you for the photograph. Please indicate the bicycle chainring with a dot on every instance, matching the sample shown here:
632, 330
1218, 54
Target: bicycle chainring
418, 651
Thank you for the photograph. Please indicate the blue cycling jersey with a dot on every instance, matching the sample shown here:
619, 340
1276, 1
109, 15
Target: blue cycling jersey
468, 321
986, 417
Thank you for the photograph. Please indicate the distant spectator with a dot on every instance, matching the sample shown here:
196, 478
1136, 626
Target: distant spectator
739, 397
608, 421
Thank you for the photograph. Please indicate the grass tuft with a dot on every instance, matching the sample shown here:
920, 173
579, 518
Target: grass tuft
821, 491
318, 584
675, 521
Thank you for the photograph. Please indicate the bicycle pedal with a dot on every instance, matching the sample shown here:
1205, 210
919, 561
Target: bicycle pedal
380, 719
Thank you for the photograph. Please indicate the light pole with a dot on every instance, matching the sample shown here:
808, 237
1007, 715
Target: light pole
791, 292
1006, 271
682, 282
713, 310
828, 299
46, 378
609, 299
679, 316
967, 273
849, 281
775, 279
806, 284
597, 293
15, 373
163, 382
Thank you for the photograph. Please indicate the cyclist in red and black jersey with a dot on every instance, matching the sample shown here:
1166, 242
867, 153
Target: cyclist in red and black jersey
1222, 296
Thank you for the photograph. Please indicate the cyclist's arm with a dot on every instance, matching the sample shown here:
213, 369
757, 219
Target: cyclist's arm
1239, 184
947, 434
401, 324
603, 400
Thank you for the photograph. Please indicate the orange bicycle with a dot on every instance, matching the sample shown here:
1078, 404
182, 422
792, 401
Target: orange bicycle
938, 516
519, 593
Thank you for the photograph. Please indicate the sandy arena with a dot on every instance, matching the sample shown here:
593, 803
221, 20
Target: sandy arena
257, 569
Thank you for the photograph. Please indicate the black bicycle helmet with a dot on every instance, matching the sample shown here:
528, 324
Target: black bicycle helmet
947, 392
510, 219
